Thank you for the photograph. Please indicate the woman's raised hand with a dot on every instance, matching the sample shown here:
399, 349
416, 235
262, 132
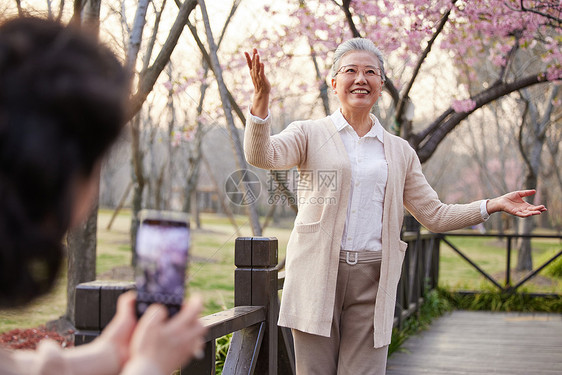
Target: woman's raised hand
262, 87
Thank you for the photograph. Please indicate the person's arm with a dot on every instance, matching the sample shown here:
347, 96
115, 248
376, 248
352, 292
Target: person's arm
281, 151
156, 345
106, 355
422, 201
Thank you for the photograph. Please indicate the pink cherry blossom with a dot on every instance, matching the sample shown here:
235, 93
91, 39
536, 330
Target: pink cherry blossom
461, 106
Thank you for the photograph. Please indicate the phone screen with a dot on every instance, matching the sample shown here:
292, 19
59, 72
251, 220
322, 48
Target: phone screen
162, 250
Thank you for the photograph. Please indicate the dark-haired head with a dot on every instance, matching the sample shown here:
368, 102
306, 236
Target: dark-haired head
62, 104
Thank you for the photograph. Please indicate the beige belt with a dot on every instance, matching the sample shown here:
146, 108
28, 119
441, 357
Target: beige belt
354, 257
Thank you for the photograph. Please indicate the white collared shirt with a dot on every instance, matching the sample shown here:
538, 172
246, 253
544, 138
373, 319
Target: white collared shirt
369, 173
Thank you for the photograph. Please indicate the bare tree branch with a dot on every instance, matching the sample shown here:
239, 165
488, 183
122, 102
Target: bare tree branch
323, 86
520, 135
553, 149
135, 38
61, 9
349, 18
77, 12
91, 16
20, 10
437, 131
153, 72
207, 58
152, 42
401, 103
550, 17
545, 123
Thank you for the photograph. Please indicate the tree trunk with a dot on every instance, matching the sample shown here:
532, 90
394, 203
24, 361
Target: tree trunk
20, 10
138, 190
269, 217
195, 156
147, 80
137, 178
534, 141
241, 161
82, 241
222, 200
136, 34
524, 256
195, 151
194, 210
322, 82
91, 16
119, 205
81, 244
137, 156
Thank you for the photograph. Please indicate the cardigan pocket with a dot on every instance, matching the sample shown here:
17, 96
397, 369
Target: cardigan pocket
308, 228
403, 246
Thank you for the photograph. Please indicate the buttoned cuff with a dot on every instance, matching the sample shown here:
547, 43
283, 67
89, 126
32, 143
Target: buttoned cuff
256, 119
483, 210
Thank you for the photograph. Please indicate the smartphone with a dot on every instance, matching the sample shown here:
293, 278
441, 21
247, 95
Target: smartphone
162, 248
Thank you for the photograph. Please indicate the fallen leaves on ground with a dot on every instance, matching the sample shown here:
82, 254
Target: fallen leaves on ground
30, 338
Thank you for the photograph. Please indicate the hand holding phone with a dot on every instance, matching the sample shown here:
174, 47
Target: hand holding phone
162, 247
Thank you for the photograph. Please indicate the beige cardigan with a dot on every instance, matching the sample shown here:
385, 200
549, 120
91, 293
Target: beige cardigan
314, 245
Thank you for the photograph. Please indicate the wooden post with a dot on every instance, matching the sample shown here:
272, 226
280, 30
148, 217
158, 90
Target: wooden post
96, 302
255, 284
435, 258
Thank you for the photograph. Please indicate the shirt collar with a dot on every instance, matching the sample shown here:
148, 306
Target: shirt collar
341, 123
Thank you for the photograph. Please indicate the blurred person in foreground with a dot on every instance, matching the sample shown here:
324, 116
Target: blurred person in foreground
344, 256
62, 104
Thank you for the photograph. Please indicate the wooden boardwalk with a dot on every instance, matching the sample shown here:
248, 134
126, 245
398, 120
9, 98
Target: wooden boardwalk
465, 342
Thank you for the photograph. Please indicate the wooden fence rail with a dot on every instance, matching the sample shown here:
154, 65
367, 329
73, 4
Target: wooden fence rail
508, 287
258, 345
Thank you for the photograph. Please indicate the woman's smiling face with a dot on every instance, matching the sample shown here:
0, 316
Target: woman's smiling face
358, 83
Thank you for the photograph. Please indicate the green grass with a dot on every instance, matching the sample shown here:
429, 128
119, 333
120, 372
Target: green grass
490, 254
554, 269
43, 309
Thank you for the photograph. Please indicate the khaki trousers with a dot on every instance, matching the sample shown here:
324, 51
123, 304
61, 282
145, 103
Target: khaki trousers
349, 349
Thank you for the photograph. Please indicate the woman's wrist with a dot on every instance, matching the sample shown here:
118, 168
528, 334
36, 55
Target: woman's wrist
98, 357
260, 105
493, 205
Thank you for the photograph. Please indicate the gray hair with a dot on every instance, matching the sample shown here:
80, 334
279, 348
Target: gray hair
357, 44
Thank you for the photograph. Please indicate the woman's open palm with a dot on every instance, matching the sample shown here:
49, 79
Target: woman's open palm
513, 204
257, 72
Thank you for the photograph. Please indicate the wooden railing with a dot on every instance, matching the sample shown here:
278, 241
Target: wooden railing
258, 345
508, 286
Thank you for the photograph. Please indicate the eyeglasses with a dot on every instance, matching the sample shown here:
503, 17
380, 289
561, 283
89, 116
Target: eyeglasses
353, 70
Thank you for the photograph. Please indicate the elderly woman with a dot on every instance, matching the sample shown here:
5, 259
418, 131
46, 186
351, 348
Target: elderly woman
344, 259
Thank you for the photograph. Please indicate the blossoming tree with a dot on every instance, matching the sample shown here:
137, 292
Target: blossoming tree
408, 31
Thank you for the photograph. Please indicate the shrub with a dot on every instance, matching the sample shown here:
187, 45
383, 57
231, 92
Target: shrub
494, 300
434, 305
223, 343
